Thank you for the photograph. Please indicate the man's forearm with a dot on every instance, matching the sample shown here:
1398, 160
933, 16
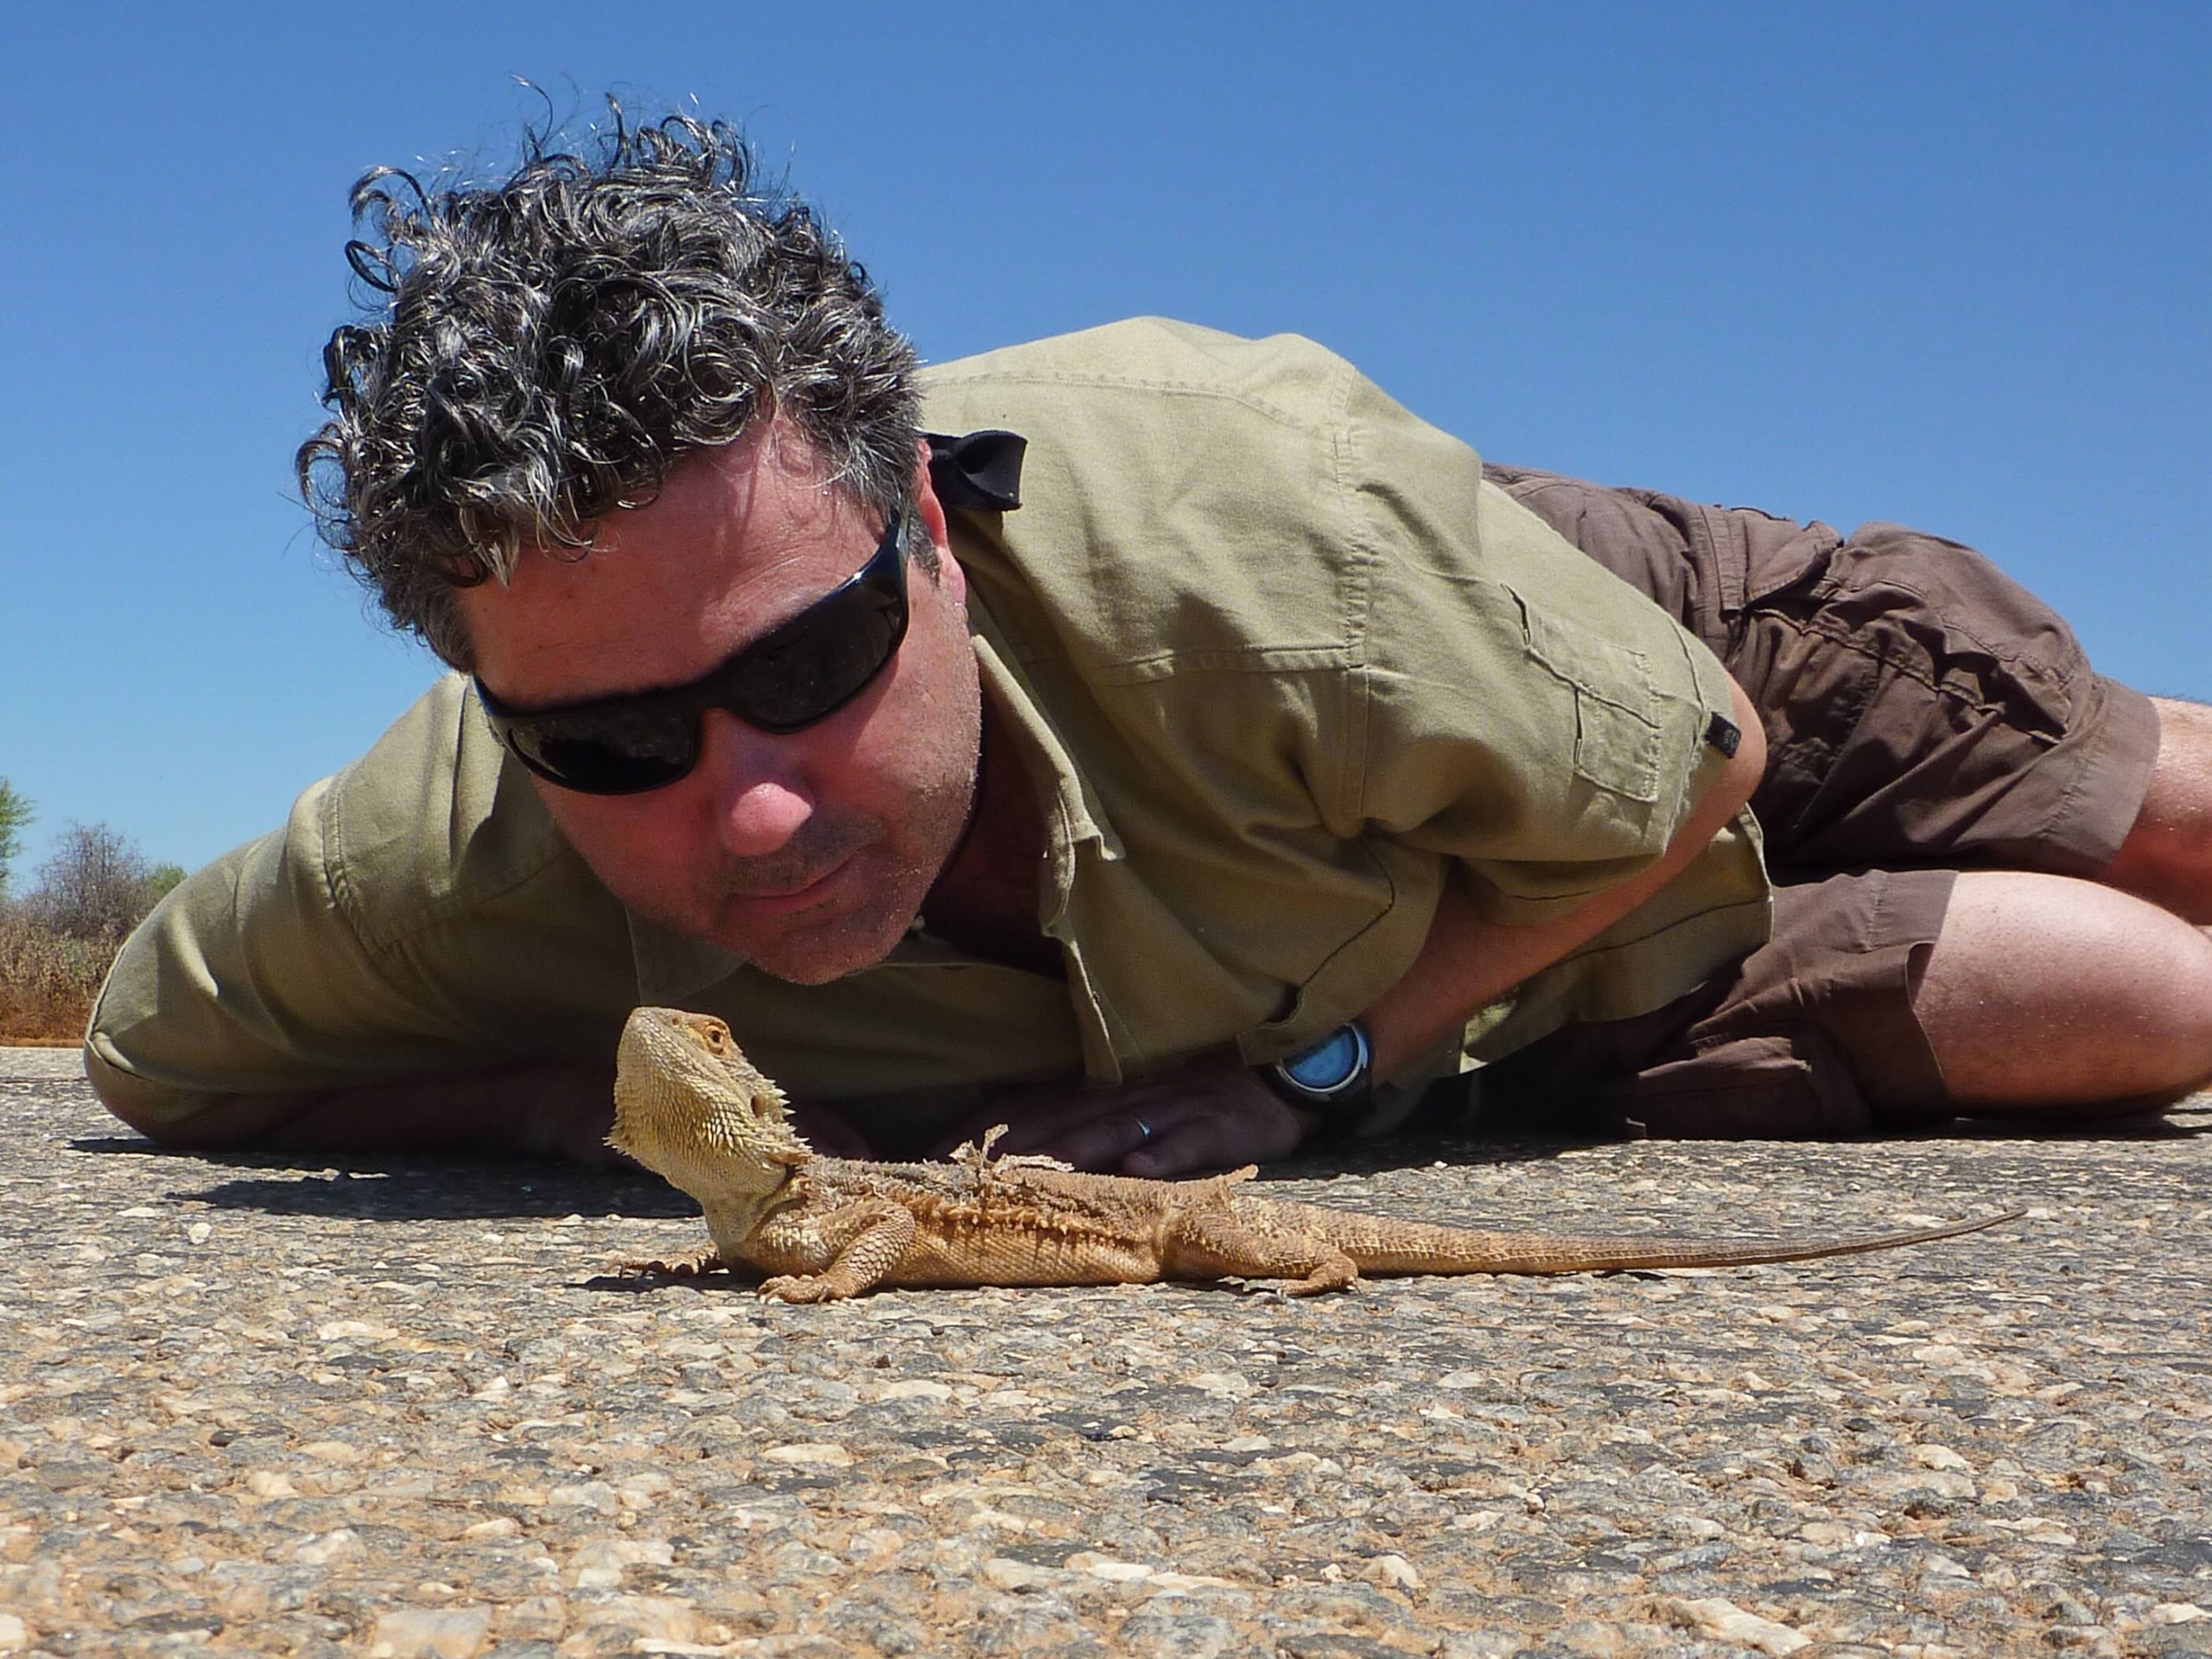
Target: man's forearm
551, 1109
1470, 961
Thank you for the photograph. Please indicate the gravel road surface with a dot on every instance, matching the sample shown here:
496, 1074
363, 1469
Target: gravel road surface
401, 1408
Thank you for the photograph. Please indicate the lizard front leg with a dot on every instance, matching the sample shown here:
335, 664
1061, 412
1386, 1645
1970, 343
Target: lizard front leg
843, 1252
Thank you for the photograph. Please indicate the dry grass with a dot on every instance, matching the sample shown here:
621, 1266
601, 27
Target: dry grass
48, 980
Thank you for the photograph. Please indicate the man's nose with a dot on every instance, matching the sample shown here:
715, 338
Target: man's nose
760, 799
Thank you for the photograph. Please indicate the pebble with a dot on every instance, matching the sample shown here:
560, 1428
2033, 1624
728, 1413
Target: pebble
344, 1419
1394, 1573
814, 1454
1714, 1616
426, 1633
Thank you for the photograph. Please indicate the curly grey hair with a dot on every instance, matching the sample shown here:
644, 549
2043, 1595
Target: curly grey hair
543, 350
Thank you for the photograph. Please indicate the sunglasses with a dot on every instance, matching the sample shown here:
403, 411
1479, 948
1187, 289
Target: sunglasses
798, 672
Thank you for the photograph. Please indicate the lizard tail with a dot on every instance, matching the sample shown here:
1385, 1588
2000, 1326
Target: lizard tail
1382, 1246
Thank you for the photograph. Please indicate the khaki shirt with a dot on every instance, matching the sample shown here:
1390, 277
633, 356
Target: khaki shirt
1275, 658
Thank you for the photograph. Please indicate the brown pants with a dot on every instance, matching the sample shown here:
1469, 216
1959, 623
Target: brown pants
1924, 714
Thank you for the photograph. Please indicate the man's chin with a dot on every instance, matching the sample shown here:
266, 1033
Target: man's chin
808, 972
817, 961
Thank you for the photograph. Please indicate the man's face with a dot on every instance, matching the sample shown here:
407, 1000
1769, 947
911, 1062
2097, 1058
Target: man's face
809, 854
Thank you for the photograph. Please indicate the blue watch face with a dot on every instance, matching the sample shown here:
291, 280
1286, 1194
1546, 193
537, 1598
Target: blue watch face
1328, 1063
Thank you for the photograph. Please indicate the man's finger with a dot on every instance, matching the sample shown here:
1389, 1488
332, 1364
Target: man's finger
1103, 1141
1211, 1141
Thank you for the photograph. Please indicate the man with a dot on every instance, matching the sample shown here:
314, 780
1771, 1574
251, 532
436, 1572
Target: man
1224, 765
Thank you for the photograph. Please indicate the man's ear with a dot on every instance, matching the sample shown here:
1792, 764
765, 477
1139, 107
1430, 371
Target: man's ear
932, 511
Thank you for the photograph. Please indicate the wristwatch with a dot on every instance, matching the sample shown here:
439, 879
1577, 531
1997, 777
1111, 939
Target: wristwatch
1334, 1077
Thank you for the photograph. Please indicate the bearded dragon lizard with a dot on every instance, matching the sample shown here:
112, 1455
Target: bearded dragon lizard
689, 1106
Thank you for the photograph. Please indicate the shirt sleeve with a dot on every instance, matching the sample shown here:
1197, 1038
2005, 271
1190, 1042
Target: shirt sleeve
417, 914
1527, 714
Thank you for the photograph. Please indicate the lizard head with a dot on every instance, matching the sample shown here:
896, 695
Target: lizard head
693, 1109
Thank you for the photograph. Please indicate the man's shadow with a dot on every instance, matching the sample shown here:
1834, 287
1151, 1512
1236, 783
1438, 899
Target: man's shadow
404, 1186
450, 1186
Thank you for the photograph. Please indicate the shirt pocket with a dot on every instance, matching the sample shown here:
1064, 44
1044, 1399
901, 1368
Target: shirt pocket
1618, 745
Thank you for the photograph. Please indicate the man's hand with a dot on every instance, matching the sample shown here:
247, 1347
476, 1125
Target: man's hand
1215, 1114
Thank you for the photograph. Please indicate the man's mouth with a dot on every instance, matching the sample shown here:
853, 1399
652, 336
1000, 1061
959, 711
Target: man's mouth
785, 896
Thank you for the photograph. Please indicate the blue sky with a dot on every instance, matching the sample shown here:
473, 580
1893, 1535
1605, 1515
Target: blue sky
1941, 264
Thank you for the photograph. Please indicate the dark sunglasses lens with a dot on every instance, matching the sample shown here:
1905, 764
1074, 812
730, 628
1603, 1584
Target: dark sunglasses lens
790, 677
608, 754
818, 663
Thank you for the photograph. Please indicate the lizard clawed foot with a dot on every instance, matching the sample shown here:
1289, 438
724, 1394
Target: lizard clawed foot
969, 1152
800, 1288
1337, 1273
982, 1158
694, 1266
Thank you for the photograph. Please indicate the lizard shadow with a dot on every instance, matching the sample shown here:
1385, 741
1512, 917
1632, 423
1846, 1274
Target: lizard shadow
747, 1285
